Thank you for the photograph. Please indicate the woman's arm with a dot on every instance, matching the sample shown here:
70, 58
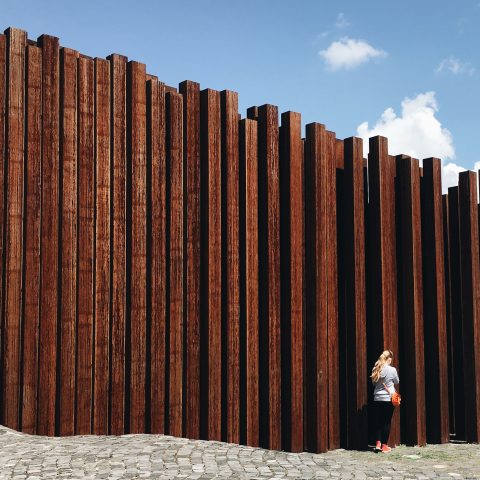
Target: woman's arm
396, 380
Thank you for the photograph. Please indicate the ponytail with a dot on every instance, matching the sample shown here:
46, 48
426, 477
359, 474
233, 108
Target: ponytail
379, 364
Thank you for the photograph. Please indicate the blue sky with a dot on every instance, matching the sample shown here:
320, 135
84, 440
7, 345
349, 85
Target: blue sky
341, 62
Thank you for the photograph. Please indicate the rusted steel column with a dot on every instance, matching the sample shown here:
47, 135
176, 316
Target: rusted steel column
157, 261
383, 281
456, 308
470, 264
212, 269
3, 110
175, 231
410, 299
49, 235
14, 174
86, 229
355, 292
231, 252
69, 193
269, 270
436, 383
316, 407
292, 261
333, 361
191, 164
102, 247
248, 176
33, 134
118, 66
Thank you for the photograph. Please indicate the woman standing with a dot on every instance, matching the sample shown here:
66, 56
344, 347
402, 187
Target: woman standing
384, 377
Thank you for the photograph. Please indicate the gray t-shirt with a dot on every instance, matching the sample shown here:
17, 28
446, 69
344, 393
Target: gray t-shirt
389, 376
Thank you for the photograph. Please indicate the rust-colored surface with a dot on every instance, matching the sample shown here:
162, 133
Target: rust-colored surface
212, 223
384, 271
168, 267
14, 174
175, 229
3, 110
118, 66
137, 247
231, 224
435, 303
339, 154
157, 171
249, 198
291, 164
102, 246
411, 299
86, 226
191, 164
69, 193
333, 347
316, 342
355, 292
32, 173
47, 394
269, 267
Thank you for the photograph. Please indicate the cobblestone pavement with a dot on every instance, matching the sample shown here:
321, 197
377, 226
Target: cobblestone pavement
161, 457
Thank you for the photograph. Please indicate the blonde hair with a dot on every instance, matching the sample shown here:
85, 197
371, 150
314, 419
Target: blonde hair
379, 364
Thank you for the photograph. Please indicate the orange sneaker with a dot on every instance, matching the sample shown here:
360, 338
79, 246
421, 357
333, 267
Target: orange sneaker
378, 446
386, 448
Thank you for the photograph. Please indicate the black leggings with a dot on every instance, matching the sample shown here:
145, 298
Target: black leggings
383, 417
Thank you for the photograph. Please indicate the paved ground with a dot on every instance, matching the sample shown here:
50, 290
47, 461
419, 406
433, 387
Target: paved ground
161, 457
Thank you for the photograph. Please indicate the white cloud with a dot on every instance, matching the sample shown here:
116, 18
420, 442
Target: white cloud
349, 53
455, 66
417, 132
450, 173
341, 22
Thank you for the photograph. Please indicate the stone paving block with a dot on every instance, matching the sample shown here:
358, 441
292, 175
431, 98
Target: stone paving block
157, 456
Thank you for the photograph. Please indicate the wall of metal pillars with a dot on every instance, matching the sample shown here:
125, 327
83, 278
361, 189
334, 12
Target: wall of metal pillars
168, 266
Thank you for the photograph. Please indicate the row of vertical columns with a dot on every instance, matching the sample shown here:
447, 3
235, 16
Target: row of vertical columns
176, 269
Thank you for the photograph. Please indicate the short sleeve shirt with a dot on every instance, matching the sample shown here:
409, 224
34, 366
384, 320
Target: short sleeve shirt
389, 376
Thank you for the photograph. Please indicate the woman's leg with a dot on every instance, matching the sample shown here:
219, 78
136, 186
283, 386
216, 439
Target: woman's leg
377, 420
387, 414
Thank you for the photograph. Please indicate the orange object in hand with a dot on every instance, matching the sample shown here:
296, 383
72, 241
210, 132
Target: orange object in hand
395, 397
